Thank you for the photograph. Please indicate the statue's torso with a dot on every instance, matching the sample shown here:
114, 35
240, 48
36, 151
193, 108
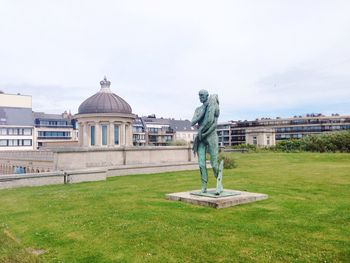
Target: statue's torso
199, 114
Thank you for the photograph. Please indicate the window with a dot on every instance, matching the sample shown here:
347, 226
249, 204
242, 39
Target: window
116, 134
92, 135
168, 138
153, 138
27, 142
27, 131
14, 142
255, 140
153, 130
268, 140
104, 134
53, 134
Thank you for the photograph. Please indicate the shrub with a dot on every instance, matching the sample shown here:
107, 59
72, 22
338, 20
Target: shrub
292, 145
249, 147
177, 143
329, 142
229, 161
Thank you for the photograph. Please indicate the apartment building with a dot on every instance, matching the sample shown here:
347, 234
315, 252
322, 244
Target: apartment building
16, 122
157, 131
54, 129
285, 128
223, 130
139, 133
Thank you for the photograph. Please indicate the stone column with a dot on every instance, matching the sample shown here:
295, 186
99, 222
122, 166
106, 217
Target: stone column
98, 137
85, 135
81, 131
111, 134
126, 134
122, 133
129, 141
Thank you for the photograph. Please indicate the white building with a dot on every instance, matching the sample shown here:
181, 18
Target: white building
16, 122
183, 130
261, 137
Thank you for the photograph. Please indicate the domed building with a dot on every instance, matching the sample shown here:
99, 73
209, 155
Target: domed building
105, 119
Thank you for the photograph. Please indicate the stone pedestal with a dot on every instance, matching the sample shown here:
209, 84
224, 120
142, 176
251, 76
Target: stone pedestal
228, 198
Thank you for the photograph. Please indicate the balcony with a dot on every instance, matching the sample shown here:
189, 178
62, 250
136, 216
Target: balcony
54, 137
53, 126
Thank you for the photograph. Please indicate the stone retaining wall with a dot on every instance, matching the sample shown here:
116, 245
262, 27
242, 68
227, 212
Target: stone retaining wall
32, 161
80, 157
57, 177
88, 175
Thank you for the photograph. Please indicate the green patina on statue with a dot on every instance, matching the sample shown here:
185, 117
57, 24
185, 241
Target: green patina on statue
206, 117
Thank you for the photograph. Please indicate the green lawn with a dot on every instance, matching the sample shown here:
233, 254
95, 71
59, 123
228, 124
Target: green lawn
127, 219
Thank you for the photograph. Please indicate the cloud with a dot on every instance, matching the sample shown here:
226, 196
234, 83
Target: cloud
259, 56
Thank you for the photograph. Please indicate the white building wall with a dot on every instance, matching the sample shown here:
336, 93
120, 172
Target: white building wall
14, 142
187, 136
14, 100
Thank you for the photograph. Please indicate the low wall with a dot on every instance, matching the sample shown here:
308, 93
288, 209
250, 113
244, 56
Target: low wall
74, 165
43, 156
57, 177
33, 161
81, 158
150, 169
89, 174
13, 180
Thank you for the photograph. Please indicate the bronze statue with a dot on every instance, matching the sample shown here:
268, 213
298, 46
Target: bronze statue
206, 117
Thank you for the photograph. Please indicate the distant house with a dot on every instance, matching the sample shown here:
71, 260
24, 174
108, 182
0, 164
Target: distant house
155, 131
183, 130
54, 129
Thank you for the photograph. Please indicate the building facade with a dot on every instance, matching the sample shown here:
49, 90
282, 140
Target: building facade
138, 132
286, 128
183, 130
16, 122
157, 131
223, 130
51, 129
261, 137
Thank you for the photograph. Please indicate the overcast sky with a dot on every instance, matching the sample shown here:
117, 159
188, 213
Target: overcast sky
263, 58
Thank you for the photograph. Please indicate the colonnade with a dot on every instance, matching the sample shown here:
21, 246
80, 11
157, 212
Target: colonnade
124, 133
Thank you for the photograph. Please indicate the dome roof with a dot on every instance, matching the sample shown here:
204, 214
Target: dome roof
104, 101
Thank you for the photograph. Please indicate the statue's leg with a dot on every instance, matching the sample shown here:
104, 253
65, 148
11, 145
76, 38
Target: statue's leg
213, 152
202, 166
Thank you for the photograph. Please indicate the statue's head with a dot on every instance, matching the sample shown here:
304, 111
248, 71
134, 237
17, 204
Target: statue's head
203, 95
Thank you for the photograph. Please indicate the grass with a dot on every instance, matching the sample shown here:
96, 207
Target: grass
127, 219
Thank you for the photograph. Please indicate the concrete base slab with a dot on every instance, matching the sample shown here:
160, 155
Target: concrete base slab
212, 193
239, 197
